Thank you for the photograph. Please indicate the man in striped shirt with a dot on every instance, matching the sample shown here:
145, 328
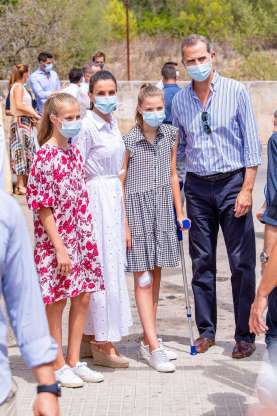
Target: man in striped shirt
219, 152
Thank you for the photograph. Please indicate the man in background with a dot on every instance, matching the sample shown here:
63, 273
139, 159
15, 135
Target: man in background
74, 88
99, 58
44, 81
170, 87
88, 71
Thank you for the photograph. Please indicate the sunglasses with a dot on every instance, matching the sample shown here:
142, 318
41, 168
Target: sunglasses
205, 117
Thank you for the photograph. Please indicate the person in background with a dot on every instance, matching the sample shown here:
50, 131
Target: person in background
44, 81
75, 78
8, 104
160, 84
74, 88
151, 190
88, 71
23, 127
219, 153
99, 58
170, 88
268, 215
66, 254
109, 316
19, 289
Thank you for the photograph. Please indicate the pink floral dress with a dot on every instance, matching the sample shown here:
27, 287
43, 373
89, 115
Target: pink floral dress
57, 181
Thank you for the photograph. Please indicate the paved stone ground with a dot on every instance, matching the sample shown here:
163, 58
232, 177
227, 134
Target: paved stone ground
205, 385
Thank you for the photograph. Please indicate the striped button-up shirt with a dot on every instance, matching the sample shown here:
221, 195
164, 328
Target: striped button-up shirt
233, 142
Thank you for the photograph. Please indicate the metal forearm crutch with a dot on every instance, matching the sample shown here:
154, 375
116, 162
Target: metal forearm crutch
186, 226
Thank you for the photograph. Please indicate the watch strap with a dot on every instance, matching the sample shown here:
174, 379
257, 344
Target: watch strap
50, 388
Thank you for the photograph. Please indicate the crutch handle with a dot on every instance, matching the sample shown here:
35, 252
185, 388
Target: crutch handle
193, 350
186, 226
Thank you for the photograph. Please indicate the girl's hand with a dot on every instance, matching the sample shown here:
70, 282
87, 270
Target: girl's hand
64, 262
180, 220
128, 237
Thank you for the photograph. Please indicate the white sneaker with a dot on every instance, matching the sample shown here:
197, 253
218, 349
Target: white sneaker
68, 378
145, 353
87, 374
171, 355
160, 362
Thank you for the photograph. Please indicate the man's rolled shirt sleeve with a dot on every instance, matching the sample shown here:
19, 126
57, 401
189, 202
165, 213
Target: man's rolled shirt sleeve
248, 127
23, 298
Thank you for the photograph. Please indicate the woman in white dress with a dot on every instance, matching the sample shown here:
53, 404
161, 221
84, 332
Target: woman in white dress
100, 141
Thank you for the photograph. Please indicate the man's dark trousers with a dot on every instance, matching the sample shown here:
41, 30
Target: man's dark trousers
210, 204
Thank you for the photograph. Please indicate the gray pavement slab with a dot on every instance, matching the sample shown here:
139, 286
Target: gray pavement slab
212, 384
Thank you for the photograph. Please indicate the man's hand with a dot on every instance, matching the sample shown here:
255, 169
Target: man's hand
243, 203
257, 324
46, 404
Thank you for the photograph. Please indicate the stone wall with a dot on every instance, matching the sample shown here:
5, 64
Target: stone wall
263, 95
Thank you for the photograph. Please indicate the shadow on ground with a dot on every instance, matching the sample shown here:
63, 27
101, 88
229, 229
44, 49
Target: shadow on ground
226, 403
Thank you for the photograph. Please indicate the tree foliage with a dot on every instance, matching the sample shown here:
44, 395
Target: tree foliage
73, 30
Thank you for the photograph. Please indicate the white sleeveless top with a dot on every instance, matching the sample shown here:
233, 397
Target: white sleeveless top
26, 100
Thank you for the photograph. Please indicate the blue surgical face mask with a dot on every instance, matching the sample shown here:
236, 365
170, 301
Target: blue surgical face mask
199, 72
153, 118
106, 105
48, 67
70, 128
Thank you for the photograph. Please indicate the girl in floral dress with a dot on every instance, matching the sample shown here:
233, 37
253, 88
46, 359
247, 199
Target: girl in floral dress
66, 253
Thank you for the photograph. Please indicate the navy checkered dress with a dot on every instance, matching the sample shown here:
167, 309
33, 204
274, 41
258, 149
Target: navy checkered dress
149, 201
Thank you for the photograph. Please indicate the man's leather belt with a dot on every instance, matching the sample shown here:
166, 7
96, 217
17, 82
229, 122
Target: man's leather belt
217, 176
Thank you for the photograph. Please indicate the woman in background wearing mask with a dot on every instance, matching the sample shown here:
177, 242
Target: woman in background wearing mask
66, 253
100, 141
151, 189
23, 127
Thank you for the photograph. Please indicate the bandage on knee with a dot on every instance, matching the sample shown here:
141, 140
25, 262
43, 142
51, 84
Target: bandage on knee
145, 279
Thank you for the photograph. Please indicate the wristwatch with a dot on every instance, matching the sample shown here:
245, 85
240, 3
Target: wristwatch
50, 388
264, 257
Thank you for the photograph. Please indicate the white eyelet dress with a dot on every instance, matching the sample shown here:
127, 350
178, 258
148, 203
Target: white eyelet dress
109, 316
149, 201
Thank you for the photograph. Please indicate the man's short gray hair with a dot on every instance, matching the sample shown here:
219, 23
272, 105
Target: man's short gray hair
275, 114
193, 40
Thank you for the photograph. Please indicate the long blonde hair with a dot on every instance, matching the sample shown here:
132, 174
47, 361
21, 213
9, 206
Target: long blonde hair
53, 105
17, 73
146, 90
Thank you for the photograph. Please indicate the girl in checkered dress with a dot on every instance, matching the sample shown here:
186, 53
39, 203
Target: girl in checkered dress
151, 188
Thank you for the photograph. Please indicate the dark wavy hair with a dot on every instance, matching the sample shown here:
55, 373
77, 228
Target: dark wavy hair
100, 76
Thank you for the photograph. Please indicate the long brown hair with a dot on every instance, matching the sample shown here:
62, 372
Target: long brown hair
17, 73
53, 105
146, 90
